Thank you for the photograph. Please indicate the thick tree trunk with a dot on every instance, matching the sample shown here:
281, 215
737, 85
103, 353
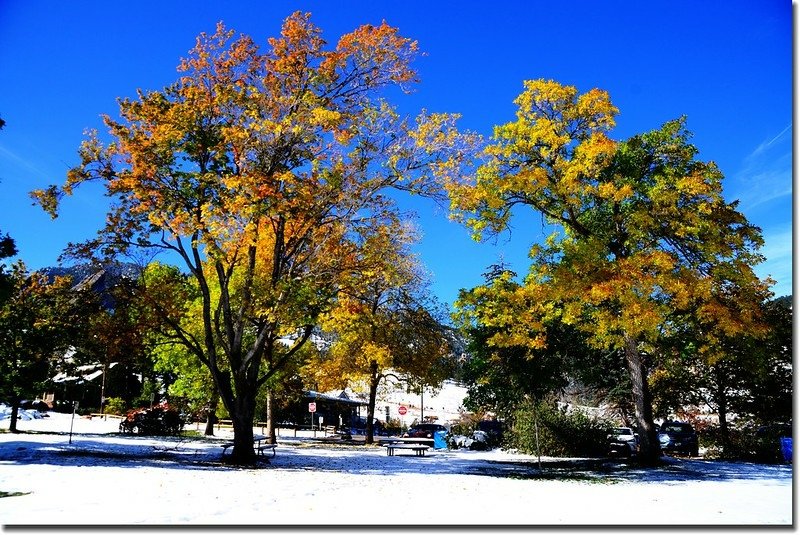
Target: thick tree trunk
270, 430
12, 426
211, 413
242, 419
724, 432
721, 396
373, 394
649, 449
241, 407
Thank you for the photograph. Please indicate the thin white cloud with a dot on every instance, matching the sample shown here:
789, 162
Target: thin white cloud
767, 144
766, 174
778, 248
17, 161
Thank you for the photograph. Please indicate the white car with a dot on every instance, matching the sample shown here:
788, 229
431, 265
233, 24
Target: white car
623, 441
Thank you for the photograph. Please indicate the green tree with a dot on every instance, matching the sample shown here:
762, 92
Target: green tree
116, 332
262, 171
36, 323
503, 378
749, 376
383, 324
772, 388
642, 232
7, 249
174, 302
499, 378
114, 329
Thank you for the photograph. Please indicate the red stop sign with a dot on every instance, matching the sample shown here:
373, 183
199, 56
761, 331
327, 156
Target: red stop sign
402, 410
312, 407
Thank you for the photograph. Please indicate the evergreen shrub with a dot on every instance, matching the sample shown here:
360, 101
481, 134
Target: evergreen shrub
749, 442
115, 406
561, 433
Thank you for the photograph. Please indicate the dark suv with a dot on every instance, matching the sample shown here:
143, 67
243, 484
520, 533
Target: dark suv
424, 430
678, 437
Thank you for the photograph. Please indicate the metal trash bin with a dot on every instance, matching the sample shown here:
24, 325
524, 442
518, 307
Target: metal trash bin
439, 440
786, 448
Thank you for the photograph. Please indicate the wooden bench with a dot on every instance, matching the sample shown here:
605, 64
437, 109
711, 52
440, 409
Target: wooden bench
418, 449
104, 416
259, 447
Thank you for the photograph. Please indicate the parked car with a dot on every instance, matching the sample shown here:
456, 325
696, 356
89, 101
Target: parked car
678, 437
623, 441
423, 430
37, 405
155, 421
494, 431
359, 426
774, 431
772, 443
479, 440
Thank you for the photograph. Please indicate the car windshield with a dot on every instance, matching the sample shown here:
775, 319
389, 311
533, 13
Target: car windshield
623, 431
678, 428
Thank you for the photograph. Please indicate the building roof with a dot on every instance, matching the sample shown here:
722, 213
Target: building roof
342, 397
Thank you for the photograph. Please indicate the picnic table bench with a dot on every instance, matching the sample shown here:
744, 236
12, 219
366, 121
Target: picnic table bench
257, 440
418, 449
406, 440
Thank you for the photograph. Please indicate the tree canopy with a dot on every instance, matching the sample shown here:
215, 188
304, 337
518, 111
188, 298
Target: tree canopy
384, 323
37, 323
7, 249
642, 232
264, 172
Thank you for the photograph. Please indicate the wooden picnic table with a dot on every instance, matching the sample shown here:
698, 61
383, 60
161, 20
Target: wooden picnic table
418, 449
257, 440
406, 440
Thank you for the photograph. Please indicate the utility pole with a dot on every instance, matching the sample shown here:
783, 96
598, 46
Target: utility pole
103, 390
422, 404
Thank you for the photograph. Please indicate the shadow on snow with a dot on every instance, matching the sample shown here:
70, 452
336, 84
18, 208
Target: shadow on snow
206, 454
135, 452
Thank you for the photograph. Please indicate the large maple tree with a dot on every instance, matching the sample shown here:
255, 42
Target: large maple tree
642, 233
264, 172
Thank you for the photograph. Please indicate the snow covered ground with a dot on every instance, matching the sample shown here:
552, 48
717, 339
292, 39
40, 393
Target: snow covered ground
109, 479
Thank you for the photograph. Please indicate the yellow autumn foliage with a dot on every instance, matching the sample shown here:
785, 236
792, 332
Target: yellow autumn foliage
644, 233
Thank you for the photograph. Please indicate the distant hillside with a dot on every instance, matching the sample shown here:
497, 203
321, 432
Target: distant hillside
98, 278
786, 301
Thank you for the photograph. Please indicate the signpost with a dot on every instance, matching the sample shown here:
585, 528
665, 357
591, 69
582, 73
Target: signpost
312, 408
74, 409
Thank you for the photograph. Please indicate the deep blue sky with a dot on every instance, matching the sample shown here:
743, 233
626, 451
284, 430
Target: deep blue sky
726, 65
